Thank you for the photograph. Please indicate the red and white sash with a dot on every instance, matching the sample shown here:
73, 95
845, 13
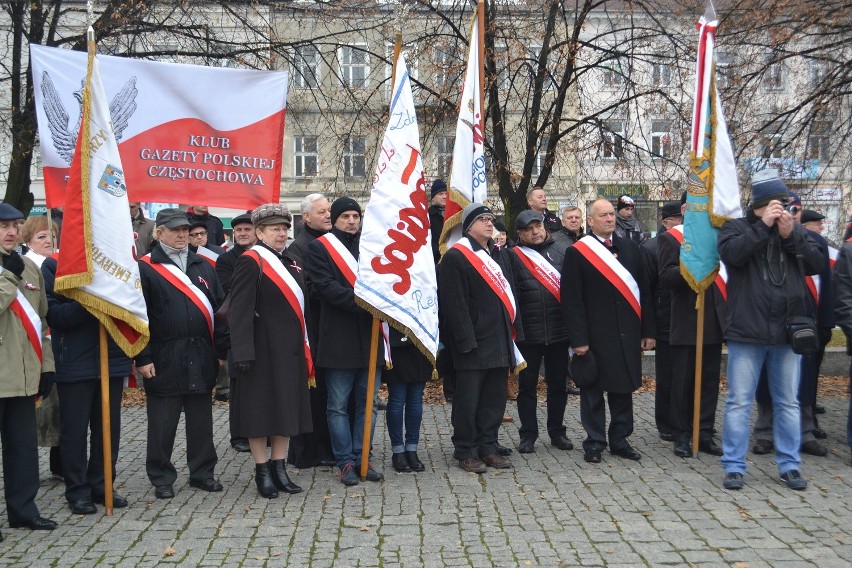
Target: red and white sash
208, 255
182, 282
492, 274
30, 319
833, 255
813, 285
348, 266
721, 280
284, 281
606, 263
540, 268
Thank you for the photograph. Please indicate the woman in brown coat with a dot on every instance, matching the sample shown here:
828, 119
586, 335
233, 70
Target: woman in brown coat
270, 349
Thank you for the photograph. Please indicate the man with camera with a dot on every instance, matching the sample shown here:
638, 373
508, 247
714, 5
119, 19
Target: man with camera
765, 253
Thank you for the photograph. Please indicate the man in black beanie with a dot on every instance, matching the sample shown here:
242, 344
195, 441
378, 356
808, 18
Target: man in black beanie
436, 214
343, 349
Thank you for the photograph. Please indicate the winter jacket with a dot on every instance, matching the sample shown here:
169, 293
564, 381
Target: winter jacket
225, 265
184, 356
543, 323
75, 337
20, 369
144, 229
436, 223
215, 228
765, 285
662, 296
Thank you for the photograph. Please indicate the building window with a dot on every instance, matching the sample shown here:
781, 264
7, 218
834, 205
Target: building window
661, 139
540, 156
819, 141
818, 72
501, 63
773, 77
410, 55
444, 156
612, 143
355, 156
532, 61
306, 67
615, 73
306, 156
354, 65
772, 147
448, 67
661, 74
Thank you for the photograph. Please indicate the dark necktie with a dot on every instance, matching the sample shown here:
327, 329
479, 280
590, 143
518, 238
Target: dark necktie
608, 243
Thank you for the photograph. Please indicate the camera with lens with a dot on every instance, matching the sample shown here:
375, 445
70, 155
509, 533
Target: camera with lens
792, 209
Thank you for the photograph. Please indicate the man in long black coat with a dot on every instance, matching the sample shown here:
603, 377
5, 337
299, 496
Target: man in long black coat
615, 329
179, 364
479, 327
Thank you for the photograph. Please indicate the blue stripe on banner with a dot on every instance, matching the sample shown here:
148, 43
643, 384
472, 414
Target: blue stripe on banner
399, 90
413, 317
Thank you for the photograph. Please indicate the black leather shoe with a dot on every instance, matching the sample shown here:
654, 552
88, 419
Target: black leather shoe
223, 397
814, 448
118, 501
819, 433
36, 524
328, 463
666, 436
592, 456
414, 462
526, 447
762, 447
710, 447
210, 485
83, 507
626, 452
682, 449
241, 445
561, 443
503, 450
400, 463
164, 492
263, 480
572, 390
818, 409
281, 478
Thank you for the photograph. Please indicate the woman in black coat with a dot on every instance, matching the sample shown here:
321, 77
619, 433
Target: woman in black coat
270, 349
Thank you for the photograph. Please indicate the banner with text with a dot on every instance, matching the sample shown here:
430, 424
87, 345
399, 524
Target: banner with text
187, 133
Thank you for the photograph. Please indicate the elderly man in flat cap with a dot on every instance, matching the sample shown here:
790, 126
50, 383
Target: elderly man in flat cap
26, 361
180, 364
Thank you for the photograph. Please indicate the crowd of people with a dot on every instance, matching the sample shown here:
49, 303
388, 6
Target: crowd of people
276, 331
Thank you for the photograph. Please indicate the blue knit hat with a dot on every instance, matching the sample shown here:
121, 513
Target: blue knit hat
766, 186
438, 186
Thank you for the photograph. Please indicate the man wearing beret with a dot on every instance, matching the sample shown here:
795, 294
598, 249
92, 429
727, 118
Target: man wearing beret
26, 366
479, 313
766, 288
180, 364
343, 349
536, 261
609, 313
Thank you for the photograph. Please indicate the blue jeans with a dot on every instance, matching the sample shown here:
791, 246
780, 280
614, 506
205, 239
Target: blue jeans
347, 443
407, 398
784, 369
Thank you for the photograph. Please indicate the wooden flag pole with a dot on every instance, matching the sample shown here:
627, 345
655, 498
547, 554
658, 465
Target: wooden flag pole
368, 411
105, 420
699, 357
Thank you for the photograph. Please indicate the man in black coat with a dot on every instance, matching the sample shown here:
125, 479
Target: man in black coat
179, 364
671, 217
537, 201
610, 315
437, 207
316, 216
343, 349
682, 337
244, 239
536, 261
478, 322
215, 228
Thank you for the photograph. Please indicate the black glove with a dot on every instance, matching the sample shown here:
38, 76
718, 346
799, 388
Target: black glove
243, 367
45, 384
14, 263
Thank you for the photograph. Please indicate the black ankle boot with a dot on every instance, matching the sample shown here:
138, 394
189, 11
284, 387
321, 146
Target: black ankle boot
414, 462
263, 478
281, 479
400, 464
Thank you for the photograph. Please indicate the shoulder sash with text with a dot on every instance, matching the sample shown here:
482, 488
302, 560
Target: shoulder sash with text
182, 282
287, 285
492, 274
29, 318
541, 269
348, 266
609, 267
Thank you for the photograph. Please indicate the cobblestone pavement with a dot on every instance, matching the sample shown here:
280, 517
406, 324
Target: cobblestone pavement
552, 509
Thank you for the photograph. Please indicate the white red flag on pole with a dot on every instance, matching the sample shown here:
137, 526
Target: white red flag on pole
96, 266
467, 173
186, 133
713, 194
396, 273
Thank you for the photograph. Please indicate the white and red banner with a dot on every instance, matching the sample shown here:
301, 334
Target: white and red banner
186, 133
96, 266
467, 174
396, 271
